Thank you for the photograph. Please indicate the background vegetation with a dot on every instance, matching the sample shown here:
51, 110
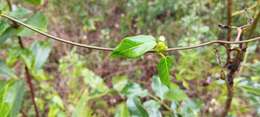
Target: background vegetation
78, 82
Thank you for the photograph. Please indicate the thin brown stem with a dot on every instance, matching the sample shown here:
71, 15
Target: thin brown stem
29, 82
111, 49
229, 94
244, 10
256, 21
230, 76
161, 102
229, 19
27, 73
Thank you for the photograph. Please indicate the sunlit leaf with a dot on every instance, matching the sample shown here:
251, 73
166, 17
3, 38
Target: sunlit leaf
11, 97
158, 88
94, 81
164, 68
38, 21
82, 109
58, 101
8, 33
35, 57
6, 71
252, 90
134, 46
175, 94
133, 89
119, 83
41, 51
191, 108
20, 13
136, 108
35, 2
55, 111
153, 108
3, 26
19, 89
122, 111
4, 6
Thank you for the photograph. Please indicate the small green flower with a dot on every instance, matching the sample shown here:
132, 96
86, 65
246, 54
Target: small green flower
161, 46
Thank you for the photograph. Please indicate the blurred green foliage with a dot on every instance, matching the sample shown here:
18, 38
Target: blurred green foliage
70, 81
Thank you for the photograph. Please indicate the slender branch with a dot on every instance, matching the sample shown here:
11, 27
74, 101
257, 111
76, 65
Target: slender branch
31, 87
27, 73
161, 102
111, 49
256, 21
229, 19
229, 62
55, 38
244, 10
249, 34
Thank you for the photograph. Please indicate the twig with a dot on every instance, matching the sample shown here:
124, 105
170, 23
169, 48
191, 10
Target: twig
55, 38
249, 34
230, 64
161, 102
31, 87
256, 21
27, 73
229, 19
111, 49
244, 10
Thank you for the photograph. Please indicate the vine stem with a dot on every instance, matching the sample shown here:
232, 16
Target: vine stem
27, 73
111, 49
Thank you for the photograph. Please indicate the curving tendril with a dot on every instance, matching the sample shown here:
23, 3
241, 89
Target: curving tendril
111, 49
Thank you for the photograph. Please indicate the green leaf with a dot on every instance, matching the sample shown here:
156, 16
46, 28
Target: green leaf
6, 71
35, 57
133, 90
134, 46
82, 110
191, 108
13, 55
164, 68
35, 2
252, 90
3, 26
94, 81
122, 111
57, 101
153, 108
38, 21
3, 6
8, 33
136, 108
20, 13
41, 51
119, 83
175, 93
19, 90
158, 88
11, 97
